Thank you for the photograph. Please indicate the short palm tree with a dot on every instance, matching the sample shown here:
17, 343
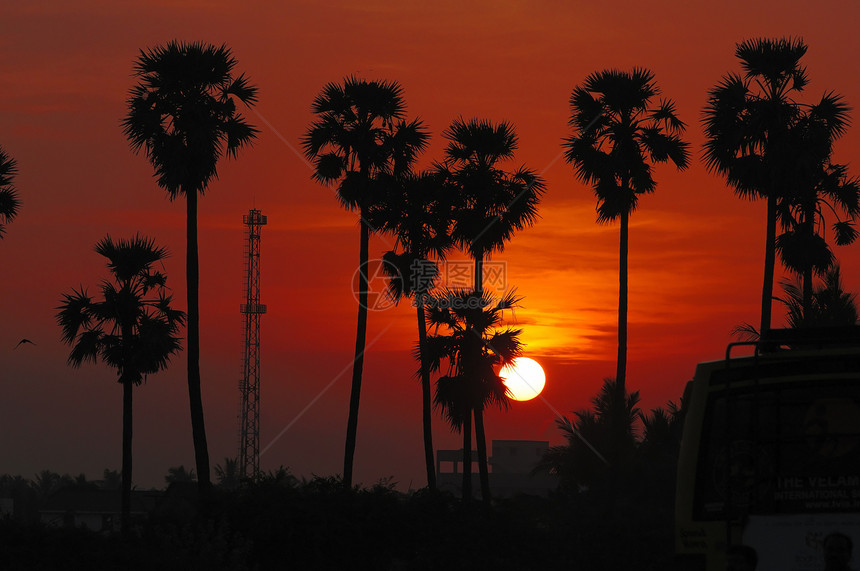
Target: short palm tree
228, 474
418, 213
359, 142
132, 328
591, 448
830, 306
179, 474
748, 128
492, 205
9, 202
475, 348
619, 132
183, 112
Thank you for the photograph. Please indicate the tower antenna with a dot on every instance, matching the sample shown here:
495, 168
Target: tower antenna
249, 385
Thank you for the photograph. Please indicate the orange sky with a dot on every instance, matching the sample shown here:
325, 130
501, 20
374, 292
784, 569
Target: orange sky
695, 249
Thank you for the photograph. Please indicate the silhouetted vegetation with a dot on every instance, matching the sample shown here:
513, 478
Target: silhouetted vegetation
491, 205
359, 142
417, 211
591, 459
618, 132
613, 508
182, 112
769, 145
132, 328
9, 201
829, 306
475, 348
280, 522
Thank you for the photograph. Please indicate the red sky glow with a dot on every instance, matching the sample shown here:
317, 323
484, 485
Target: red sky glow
696, 250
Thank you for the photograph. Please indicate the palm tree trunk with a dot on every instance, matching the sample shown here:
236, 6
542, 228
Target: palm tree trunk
809, 229
807, 297
621, 364
125, 503
358, 361
426, 410
483, 464
195, 398
621, 367
467, 457
769, 263
480, 435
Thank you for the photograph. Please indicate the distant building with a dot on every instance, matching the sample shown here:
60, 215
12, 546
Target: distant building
96, 510
510, 466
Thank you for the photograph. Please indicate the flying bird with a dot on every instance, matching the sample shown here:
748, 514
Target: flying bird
22, 341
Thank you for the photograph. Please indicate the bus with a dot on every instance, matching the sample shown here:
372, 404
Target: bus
770, 452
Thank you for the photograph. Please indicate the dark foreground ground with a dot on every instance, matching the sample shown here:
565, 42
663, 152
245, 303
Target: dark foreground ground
280, 524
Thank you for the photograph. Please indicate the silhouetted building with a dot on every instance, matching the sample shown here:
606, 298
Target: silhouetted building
96, 510
510, 465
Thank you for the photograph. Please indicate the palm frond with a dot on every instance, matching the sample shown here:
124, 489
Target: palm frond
9, 201
74, 314
845, 233
182, 111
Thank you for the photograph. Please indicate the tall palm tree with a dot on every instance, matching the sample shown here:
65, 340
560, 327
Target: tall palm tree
747, 123
493, 204
358, 142
619, 132
817, 184
475, 347
9, 202
418, 212
183, 113
132, 328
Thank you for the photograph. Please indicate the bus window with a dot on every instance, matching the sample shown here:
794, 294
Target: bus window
781, 450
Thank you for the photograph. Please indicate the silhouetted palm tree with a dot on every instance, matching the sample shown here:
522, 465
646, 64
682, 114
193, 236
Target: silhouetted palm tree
475, 348
661, 438
492, 205
747, 123
132, 328
817, 183
9, 202
618, 133
592, 449
359, 141
228, 474
183, 113
179, 474
46, 483
830, 306
418, 212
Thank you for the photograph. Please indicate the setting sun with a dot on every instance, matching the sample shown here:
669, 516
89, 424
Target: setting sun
524, 378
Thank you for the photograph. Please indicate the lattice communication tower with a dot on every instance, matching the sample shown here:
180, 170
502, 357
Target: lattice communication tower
249, 385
